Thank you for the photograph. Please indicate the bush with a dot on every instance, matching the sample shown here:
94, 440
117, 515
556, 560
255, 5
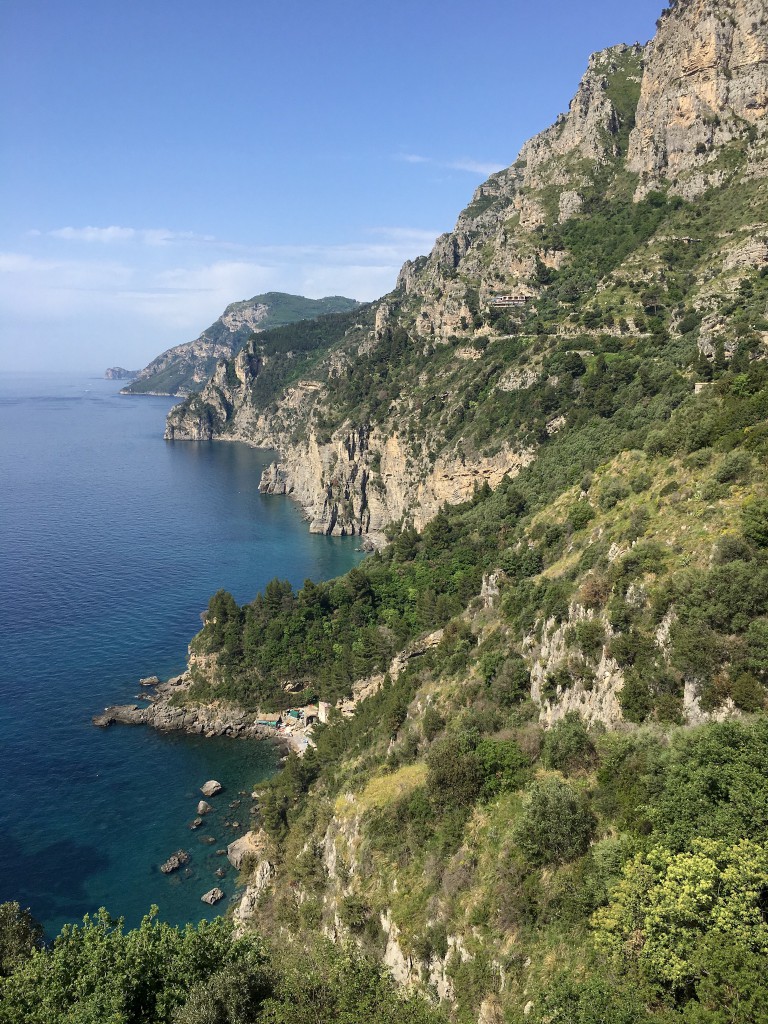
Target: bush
714, 785
732, 549
503, 764
580, 515
673, 916
590, 636
754, 520
454, 775
735, 466
557, 824
747, 693
20, 936
612, 492
567, 747
432, 723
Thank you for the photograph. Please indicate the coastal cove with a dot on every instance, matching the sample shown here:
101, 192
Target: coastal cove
113, 541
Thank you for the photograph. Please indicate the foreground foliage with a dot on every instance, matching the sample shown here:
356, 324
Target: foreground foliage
98, 973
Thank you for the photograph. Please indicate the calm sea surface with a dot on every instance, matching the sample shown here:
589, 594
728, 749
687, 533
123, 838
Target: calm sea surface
111, 542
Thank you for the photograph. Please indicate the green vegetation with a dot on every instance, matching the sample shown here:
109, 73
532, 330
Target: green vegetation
573, 875
97, 972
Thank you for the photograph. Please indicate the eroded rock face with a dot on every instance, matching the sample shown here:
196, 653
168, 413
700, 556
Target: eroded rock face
261, 880
705, 82
252, 844
593, 692
362, 480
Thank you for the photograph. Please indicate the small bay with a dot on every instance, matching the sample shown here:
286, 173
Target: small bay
112, 542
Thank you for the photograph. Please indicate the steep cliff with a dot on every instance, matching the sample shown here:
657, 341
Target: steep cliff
539, 790
186, 368
638, 221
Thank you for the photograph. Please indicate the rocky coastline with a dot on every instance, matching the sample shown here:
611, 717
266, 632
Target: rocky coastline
167, 711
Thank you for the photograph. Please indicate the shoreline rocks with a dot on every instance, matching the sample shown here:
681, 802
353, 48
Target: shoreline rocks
252, 844
166, 712
175, 861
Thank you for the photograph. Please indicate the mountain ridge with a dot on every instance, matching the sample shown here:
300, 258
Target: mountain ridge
527, 231
187, 367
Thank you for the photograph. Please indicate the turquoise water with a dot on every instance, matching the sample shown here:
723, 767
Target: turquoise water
111, 542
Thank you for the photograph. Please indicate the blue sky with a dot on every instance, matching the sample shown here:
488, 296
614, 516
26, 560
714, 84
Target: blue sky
164, 159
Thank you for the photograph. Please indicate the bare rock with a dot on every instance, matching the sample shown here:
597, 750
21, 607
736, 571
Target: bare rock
203, 807
252, 844
211, 788
212, 896
149, 681
175, 861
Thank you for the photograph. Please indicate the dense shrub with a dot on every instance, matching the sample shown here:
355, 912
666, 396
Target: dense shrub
557, 824
567, 746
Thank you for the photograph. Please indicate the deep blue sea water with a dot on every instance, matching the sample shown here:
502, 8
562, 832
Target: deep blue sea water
111, 542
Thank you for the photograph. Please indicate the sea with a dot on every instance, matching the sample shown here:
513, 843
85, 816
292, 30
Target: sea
112, 540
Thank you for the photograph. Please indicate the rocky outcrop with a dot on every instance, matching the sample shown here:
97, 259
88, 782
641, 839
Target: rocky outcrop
212, 896
705, 85
252, 845
362, 480
174, 862
211, 788
262, 878
593, 683
119, 373
168, 712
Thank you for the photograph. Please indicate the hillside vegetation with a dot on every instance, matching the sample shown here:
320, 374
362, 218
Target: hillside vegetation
540, 794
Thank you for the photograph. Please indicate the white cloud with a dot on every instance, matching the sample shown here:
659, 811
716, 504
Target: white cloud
476, 167
481, 167
90, 234
157, 295
113, 234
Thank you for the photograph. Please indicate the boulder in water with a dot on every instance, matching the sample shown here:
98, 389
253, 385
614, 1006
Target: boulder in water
175, 861
211, 788
212, 896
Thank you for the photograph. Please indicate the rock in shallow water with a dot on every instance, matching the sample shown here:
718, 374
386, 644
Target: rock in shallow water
203, 807
175, 861
211, 788
212, 896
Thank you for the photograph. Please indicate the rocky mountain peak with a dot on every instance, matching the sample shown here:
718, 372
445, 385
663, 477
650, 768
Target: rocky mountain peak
705, 87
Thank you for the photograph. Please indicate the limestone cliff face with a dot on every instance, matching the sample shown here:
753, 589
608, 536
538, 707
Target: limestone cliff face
185, 368
492, 241
705, 85
369, 479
